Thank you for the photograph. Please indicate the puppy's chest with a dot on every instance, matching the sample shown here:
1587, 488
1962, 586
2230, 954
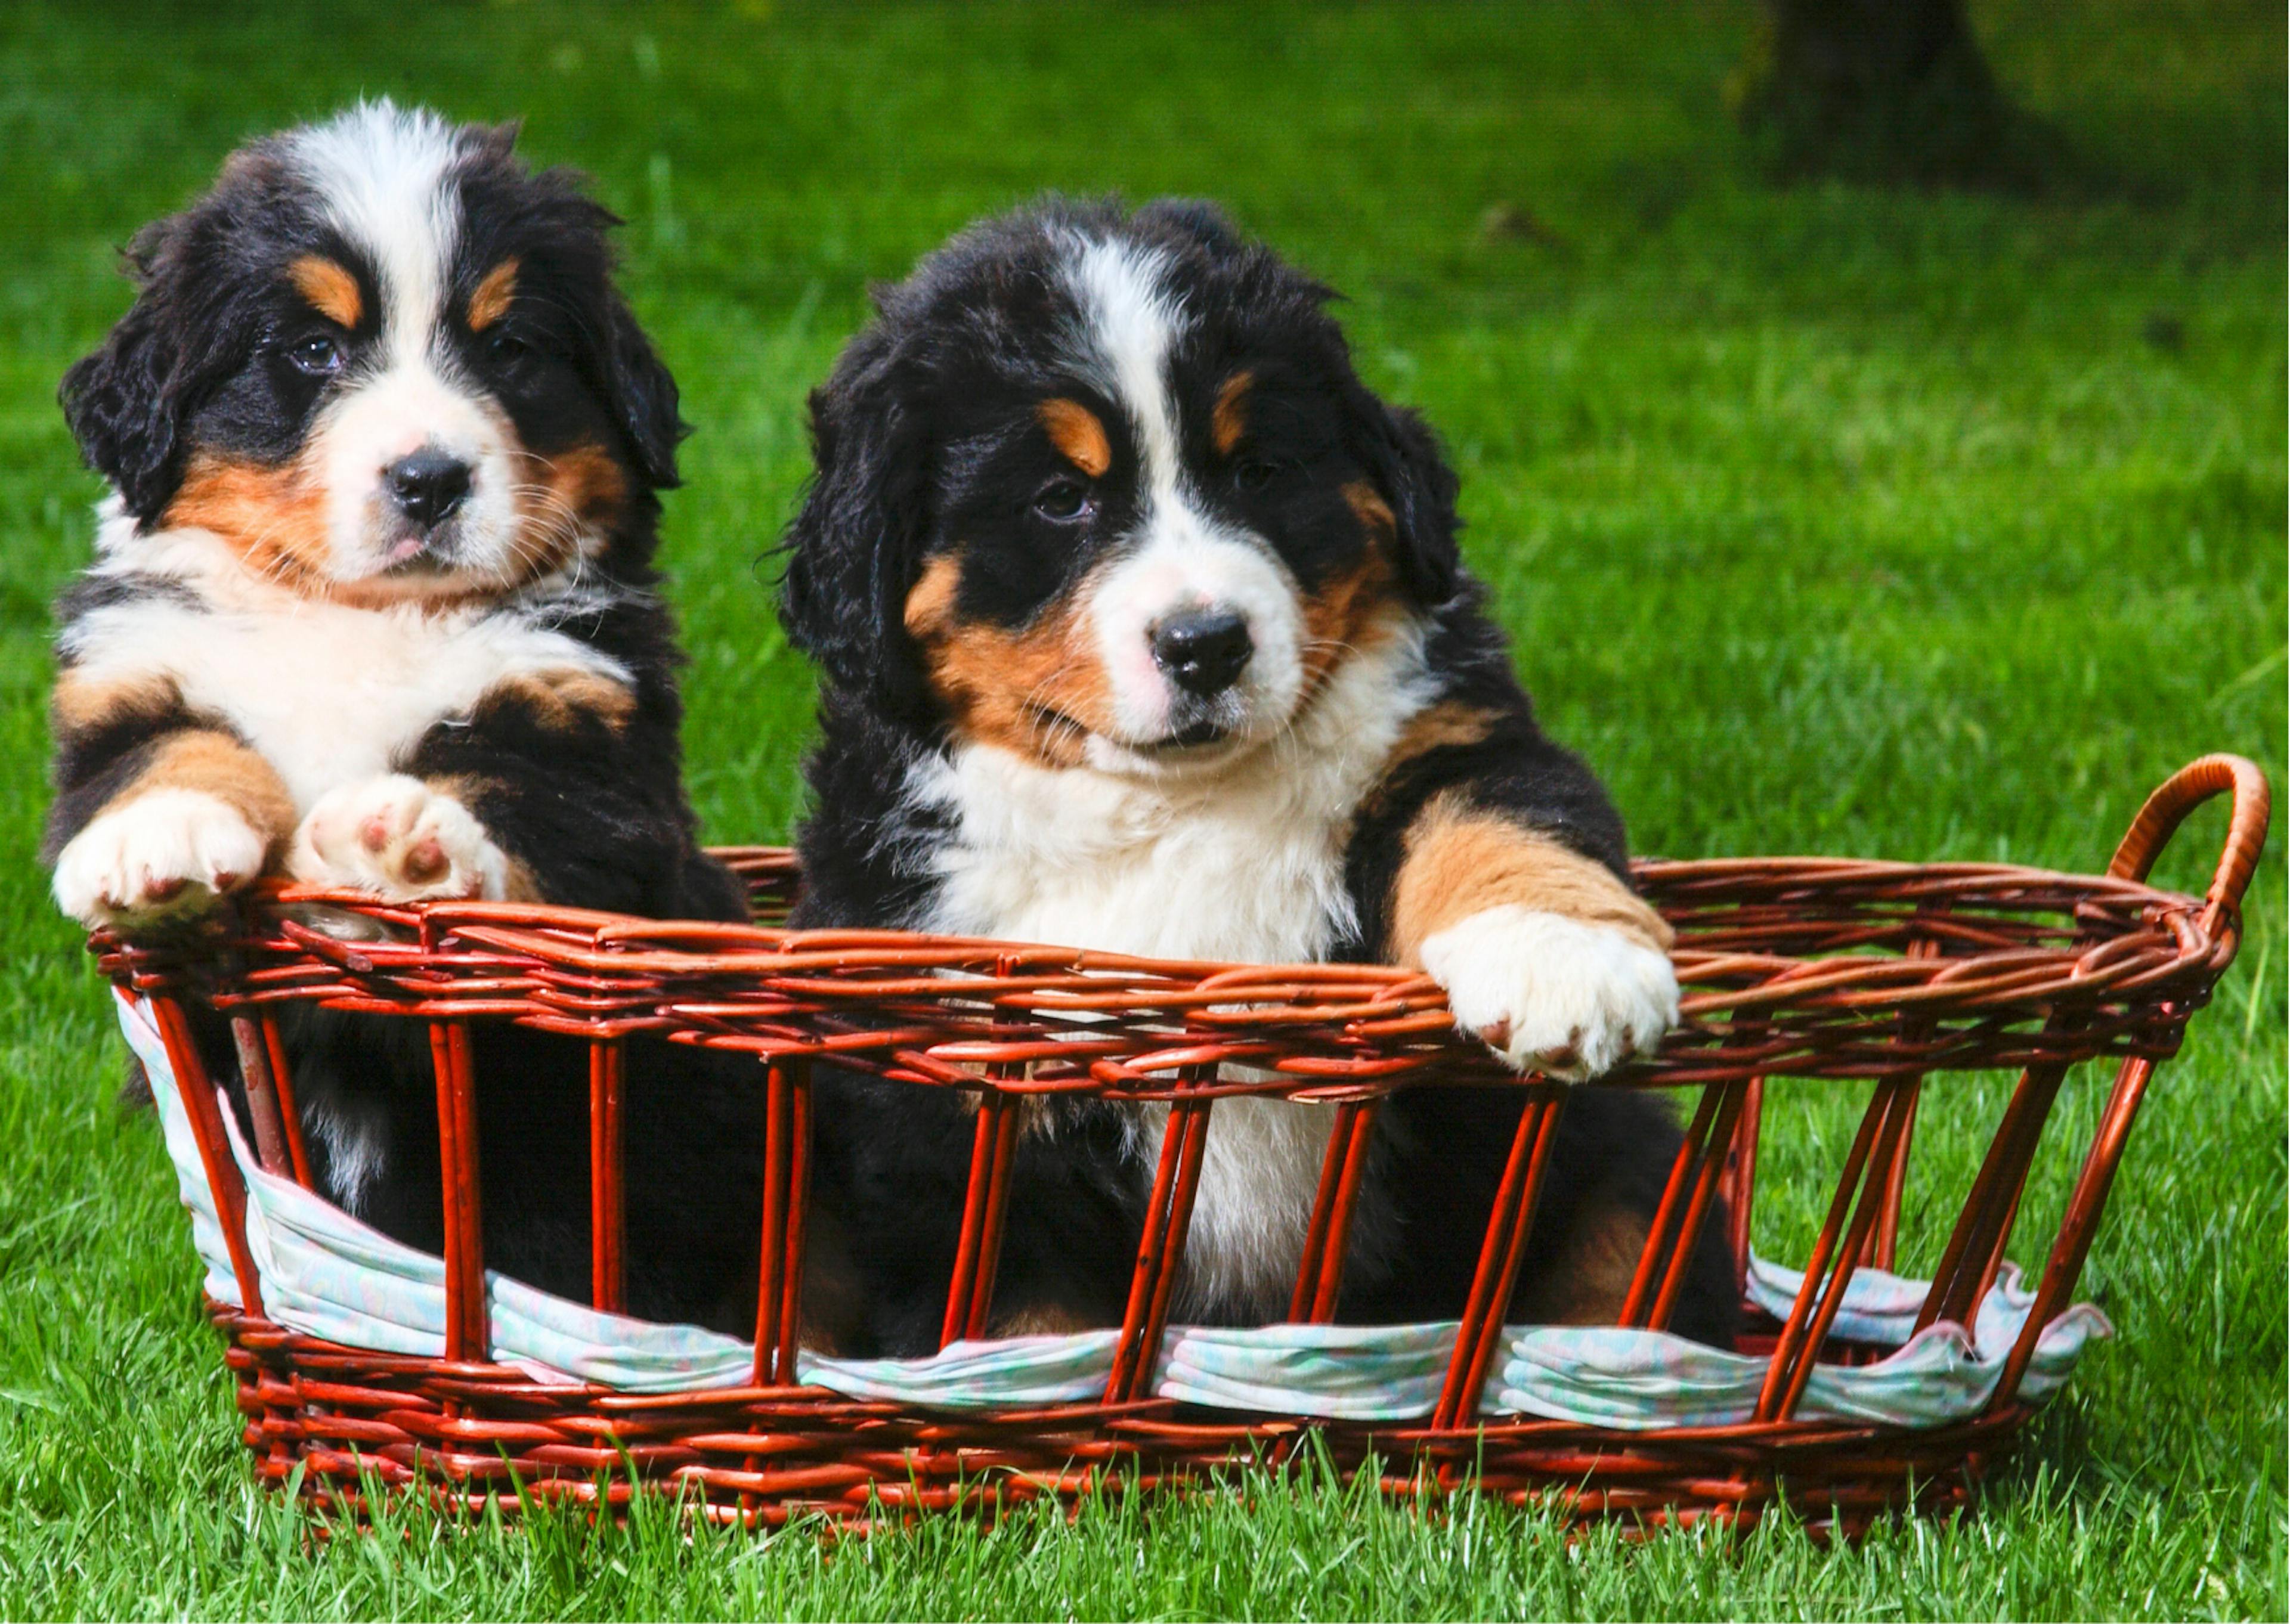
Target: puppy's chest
327, 695
1255, 873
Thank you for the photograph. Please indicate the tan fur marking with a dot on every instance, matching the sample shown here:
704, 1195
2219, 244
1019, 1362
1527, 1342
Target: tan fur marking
1587, 1276
1345, 617
276, 517
1042, 1319
564, 501
1352, 611
1037, 691
930, 604
489, 301
217, 765
1229, 421
1461, 861
1078, 436
1437, 727
1349, 612
1374, 511
560, 701
332, 290
81, 702
468, 788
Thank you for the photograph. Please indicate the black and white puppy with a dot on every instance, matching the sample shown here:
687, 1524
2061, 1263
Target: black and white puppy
373, 606
1143, 627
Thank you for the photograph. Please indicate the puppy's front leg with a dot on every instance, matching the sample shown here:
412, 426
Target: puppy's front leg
1546, 955
159, 812
201, 818
534, 796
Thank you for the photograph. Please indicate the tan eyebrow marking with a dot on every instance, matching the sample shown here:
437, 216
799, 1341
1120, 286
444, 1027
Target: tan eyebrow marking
332, 290
1080, 438
1228, 422
489, 302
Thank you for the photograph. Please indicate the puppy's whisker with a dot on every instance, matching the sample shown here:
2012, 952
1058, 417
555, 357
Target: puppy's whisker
1042, 719
548, 532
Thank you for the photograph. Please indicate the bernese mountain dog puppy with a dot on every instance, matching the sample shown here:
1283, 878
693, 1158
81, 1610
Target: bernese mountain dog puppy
1143, 627
373, 607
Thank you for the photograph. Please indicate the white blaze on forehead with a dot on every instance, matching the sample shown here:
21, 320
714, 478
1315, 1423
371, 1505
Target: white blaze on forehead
1129, 322
383, 176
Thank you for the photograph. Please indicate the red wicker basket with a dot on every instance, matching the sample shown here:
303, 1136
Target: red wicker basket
1873, 976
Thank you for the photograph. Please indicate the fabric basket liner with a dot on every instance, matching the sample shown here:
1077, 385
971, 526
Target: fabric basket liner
325, 1275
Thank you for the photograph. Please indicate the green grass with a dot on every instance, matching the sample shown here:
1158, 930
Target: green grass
1826, 520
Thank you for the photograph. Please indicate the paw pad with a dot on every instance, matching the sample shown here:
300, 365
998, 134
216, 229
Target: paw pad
399, 839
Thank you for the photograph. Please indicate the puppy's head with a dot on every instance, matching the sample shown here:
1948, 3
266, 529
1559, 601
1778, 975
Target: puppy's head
385, 362
1104, 489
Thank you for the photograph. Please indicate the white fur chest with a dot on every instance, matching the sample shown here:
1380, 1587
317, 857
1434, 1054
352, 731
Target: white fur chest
1246, 865
328, 695
1244, 862
1081, 860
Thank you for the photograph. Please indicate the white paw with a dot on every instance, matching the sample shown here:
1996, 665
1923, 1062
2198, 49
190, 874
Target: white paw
167, 855
1551, 994
399, 839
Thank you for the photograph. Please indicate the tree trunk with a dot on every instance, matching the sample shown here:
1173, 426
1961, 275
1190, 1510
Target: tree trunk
1879, 89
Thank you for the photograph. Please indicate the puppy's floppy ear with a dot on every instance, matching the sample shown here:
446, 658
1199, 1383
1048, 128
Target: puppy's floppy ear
615, 357
854, 549
126, 402
642, 395
1413, 474
191, 326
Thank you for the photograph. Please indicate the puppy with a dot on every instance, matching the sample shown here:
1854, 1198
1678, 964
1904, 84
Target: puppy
373, 606
1143, 627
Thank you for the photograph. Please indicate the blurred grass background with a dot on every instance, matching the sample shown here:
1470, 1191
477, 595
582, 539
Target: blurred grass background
1825, 519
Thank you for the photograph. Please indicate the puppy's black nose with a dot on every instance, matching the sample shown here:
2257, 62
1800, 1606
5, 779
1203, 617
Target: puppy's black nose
1203, 649
428, 485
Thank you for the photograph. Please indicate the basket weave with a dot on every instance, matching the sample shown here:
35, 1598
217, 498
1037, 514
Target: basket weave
1877, 973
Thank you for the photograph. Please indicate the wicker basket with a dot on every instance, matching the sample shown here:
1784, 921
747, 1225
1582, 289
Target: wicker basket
1873, 976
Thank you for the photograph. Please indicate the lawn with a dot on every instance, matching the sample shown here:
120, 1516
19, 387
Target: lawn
1825, 520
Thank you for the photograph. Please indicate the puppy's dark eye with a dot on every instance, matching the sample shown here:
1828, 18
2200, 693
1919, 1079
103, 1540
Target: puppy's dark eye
318, 355
1255, 473
504, 346
1064, 501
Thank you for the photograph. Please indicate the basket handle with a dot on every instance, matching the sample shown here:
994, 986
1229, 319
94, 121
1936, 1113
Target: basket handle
2183, 791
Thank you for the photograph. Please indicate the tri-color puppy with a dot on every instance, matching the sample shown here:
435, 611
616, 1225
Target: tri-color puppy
1143, 627
373, 606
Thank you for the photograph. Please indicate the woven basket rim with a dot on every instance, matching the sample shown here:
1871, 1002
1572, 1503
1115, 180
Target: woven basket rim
1836, 950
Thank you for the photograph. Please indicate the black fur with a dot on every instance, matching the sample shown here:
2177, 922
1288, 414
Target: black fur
916, 437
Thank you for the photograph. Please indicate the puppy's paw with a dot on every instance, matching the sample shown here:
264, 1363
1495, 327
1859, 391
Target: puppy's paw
400, 839
162, 858
1551, 994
